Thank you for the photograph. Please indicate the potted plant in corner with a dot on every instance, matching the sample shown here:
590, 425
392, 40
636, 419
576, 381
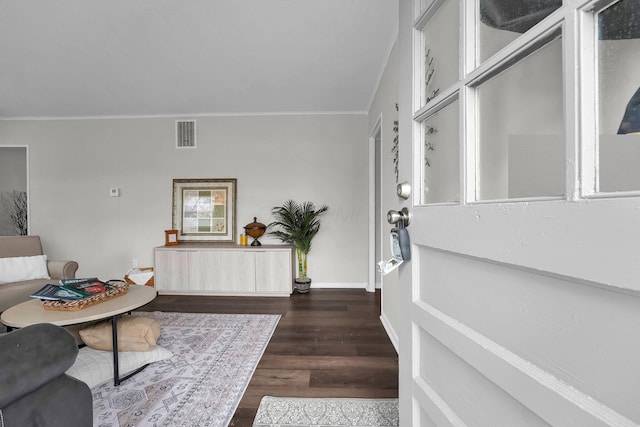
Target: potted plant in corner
297, 224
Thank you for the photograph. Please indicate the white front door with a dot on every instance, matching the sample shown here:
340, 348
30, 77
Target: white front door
521, 303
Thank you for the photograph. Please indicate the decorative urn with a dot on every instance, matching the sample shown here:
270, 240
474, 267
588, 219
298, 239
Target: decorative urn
256, 230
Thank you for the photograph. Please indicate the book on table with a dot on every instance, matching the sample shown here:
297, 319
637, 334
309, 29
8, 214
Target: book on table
71, 289
86, 287
56, 293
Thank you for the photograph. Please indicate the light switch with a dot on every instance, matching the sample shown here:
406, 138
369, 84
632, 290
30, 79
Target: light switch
115, 192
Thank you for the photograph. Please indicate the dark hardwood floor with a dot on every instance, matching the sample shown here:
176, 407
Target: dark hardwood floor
328, 343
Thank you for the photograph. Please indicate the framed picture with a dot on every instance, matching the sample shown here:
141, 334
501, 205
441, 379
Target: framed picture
204, 210
170, 237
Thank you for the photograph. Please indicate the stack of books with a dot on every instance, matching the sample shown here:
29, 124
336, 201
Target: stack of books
72, 289
76, 294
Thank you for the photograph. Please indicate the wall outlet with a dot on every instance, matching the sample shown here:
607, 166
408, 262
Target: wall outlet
134, 263
114, 192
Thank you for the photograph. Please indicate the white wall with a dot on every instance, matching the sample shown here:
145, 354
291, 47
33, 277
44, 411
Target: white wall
384, 107
74, 163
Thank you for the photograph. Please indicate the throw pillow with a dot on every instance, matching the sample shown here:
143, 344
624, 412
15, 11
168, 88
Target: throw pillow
95, 367
135, 333
18, 269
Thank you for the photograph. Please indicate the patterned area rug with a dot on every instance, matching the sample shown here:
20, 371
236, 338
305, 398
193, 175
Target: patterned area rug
214, 357
326, 412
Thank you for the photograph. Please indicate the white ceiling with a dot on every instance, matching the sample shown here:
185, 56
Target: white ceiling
75, 58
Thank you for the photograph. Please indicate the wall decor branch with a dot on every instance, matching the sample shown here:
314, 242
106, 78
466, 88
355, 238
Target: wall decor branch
395, 147
14, 211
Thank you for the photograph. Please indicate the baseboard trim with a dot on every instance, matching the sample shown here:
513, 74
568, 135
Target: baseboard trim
391, 333
337, 285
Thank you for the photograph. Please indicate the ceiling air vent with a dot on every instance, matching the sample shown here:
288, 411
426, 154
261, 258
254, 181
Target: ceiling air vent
185, 133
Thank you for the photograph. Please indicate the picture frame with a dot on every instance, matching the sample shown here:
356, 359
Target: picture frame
170, 237
204, 210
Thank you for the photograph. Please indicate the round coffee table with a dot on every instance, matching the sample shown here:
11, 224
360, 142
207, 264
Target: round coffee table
31, 312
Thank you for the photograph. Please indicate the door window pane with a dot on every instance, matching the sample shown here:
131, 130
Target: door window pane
618, 47
441, 156
441, 47
521, 129
502, 21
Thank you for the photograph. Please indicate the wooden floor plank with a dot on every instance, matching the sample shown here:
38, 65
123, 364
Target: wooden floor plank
281, 377
274, 361
353, 378
328, 343
252, 397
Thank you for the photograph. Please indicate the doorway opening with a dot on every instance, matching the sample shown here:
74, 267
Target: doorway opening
375, 205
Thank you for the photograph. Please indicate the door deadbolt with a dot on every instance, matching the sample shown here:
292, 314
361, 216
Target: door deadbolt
404, 190
403, 217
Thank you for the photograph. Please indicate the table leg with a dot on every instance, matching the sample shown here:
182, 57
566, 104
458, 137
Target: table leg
116, 369
114, 338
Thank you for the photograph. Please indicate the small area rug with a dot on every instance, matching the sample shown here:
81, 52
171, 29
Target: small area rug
214, 357
326, 412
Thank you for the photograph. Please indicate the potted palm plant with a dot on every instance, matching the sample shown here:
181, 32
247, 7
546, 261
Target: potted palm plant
297, 224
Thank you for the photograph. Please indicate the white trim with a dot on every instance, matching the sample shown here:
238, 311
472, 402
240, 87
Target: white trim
444, 99
550, 398
571, 99
28, 191
376, 133
467, 101
426, 14
338, 285
184, 115
223, 293
587, 82
434, 404
391, 333
468, 147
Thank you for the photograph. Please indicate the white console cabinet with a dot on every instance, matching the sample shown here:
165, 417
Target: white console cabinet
209, 269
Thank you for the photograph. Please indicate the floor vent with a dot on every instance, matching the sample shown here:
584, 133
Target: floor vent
185, 134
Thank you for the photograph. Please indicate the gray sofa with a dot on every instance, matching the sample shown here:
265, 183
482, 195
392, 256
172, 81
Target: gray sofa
20, 246
34, 389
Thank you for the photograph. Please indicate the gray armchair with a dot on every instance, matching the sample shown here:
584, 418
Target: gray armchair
34, 389
20, 246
